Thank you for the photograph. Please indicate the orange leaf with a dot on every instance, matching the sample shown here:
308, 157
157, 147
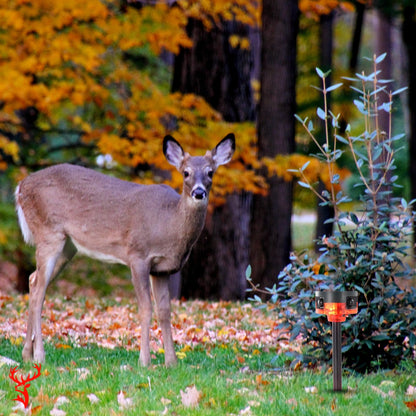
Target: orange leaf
63, 346
36, 409
260, 381
411, 405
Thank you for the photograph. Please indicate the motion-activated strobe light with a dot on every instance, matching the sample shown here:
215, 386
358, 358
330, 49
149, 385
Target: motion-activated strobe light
336, 305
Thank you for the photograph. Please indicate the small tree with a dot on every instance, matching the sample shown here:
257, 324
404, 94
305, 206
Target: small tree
368, 249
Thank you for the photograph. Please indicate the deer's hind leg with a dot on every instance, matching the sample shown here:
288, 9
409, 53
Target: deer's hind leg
51, 258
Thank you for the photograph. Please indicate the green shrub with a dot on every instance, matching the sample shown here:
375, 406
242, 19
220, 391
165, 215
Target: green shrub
367, 251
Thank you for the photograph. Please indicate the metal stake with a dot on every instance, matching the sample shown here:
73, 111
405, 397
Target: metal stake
336, 356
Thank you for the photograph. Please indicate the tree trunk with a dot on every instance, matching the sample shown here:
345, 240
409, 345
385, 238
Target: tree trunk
383, 43
221, 74
271, 215
215, 70
356, 39
409, 38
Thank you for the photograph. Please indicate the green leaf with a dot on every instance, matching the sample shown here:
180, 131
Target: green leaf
321, 113
354, 218
333, 87
320, 73
380, 58
305, 166
304, 184
360, 106
299, 119
381, 337
248, 272
400, 90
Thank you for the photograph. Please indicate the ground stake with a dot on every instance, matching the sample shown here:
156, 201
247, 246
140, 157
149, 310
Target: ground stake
336, 305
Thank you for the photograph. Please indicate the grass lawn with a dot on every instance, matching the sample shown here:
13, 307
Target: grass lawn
232, 362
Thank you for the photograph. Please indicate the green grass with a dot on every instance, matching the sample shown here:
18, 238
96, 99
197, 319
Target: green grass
231, 382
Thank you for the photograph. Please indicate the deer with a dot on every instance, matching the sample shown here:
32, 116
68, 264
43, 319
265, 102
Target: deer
65, 209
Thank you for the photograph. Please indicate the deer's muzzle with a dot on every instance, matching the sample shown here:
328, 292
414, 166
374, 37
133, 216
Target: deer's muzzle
199, 193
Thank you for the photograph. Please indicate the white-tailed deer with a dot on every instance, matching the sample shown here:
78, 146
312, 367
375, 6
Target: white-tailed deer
150, 228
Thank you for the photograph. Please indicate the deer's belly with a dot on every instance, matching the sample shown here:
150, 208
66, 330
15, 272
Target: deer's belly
165, 266
95, 254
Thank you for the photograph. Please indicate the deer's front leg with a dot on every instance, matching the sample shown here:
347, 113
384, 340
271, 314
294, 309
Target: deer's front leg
161, 294
140, 277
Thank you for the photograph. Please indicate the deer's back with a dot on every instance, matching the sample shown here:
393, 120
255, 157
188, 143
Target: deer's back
79, 202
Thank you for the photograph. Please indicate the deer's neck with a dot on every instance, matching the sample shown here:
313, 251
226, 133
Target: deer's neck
192, 218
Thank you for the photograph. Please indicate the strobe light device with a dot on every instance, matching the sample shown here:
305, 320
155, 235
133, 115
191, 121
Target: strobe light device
336, 305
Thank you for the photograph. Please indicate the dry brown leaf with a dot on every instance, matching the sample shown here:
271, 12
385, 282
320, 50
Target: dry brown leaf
165, 401
123, 401
190, 397
384, 395
93, 398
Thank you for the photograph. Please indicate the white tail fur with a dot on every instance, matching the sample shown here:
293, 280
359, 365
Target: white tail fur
27, 234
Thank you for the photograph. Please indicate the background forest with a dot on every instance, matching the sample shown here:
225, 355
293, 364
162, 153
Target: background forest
100, 83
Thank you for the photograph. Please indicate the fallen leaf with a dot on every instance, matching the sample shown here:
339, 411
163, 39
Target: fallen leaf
245, 412
123, 401
57, 412
36, 410
83, 373
93, 398
382, 393
165, 401
7, 361
260, 381
411, 405
63, 346
311, 390
191, 396
61, 400
292, 401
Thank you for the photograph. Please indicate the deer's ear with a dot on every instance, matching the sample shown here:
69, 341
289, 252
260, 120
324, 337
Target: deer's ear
224, 150
173, 151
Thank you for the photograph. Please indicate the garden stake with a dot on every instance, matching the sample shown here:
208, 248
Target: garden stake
336, 305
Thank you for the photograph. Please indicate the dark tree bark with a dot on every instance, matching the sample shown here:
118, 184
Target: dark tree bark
409, 38
383, 43
356, 38
215, 70
221, 74
271, 215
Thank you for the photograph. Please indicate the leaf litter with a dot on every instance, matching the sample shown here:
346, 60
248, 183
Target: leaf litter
109, 323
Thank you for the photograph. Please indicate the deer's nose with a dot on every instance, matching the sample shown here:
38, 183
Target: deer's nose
199, 193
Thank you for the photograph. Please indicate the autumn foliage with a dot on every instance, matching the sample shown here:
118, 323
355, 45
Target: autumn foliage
69, 79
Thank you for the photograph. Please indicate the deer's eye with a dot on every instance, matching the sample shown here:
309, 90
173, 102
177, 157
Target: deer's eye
186, 174
210, 174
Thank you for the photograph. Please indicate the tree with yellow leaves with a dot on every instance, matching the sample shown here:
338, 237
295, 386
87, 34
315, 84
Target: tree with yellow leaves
70, 89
